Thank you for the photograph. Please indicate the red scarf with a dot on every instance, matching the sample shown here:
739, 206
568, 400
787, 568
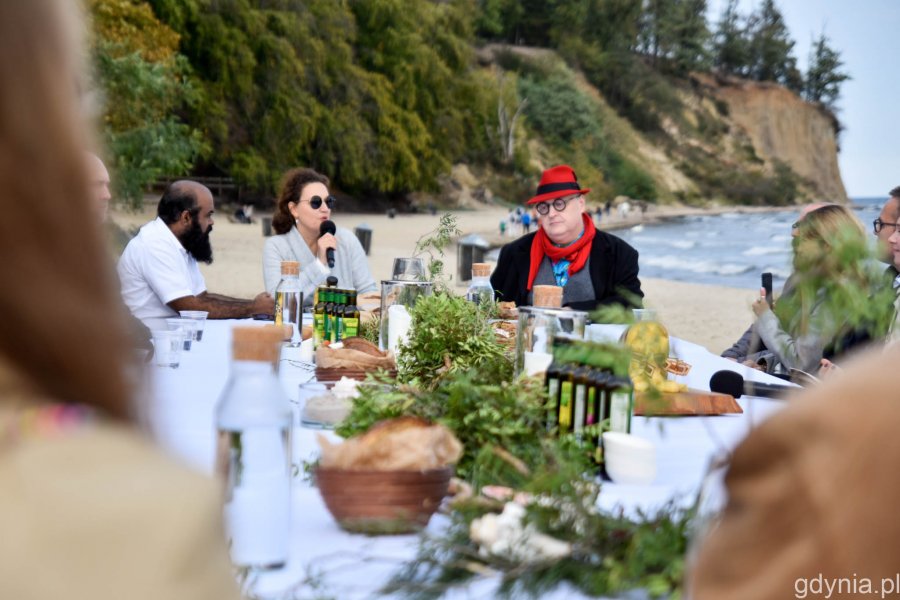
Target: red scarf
576, 253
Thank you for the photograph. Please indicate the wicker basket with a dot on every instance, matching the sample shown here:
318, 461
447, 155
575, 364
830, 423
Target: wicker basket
383, 502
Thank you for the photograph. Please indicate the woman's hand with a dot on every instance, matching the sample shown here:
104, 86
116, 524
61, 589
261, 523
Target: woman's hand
760, 305
324, 243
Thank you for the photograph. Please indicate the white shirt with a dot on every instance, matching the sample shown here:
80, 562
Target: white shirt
156, 269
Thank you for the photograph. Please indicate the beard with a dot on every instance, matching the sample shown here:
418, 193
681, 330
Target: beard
196, 242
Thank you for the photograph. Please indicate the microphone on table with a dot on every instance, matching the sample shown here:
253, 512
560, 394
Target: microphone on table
731, 383
328, 227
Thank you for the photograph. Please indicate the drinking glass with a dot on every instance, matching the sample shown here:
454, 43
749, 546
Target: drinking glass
188, 326
200, 317
408, 269
167, 346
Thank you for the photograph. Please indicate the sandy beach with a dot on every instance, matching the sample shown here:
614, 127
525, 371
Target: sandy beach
713, 316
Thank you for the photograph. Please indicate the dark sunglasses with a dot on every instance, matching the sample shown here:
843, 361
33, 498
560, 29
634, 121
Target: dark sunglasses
878, 225
315, 202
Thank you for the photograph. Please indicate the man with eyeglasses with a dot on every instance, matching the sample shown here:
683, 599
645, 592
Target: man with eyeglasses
593, 267
884, 226
159, 272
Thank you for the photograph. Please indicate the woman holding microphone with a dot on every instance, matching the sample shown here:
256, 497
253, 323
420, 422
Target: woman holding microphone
302, 221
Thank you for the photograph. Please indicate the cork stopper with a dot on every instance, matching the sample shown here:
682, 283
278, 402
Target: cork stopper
290, 267
481, 270
548, 296
262, 344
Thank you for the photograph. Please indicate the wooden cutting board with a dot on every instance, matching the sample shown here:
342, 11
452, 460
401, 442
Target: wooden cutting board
691, 402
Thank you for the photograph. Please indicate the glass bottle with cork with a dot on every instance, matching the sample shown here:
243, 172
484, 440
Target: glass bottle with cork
480, 290
254, 420
289, 300
351, 316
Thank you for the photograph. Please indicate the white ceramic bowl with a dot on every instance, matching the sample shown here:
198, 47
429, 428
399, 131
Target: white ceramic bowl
629, 459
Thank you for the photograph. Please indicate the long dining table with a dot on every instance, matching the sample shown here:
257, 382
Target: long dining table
179, 407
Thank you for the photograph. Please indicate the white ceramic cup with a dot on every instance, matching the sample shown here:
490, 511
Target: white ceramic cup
629, 459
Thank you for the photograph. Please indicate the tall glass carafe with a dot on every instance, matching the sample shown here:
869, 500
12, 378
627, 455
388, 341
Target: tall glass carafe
254, 420
480, 290
289, 300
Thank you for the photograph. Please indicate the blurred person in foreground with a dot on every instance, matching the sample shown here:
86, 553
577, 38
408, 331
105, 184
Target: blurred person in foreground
836, 302
89, 509
304, 203
812, 496
593, 267
159, 272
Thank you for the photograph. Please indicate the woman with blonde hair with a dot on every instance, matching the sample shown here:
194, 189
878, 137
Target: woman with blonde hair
830, 308
89, 508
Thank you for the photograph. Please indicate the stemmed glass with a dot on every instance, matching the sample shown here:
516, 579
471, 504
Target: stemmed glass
408, 269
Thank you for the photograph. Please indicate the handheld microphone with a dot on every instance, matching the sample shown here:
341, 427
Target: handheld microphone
731, 383
328, 227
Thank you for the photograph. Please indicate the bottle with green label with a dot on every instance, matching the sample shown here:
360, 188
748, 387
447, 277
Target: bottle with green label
566, 398
319, 316
339, 302
581, 380
621, 404
351, 316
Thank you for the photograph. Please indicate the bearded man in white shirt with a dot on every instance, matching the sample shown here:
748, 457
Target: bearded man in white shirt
159, 271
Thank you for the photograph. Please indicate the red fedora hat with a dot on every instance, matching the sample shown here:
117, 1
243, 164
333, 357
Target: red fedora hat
557, 182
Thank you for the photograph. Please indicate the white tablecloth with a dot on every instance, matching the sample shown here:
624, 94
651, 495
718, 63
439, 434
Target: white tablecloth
180, 410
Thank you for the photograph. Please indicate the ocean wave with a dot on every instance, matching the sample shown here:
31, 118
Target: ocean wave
696, 266
683, 244
780, 237
764, 250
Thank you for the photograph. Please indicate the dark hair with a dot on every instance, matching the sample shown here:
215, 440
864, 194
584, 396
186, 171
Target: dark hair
292, 184
895, 193
175, 200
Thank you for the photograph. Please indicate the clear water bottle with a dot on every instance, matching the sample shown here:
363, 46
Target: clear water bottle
254, 420
289, 300
480, 290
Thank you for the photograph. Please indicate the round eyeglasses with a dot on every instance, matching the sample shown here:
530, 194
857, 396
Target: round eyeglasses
559, 204
878, 225
315, 202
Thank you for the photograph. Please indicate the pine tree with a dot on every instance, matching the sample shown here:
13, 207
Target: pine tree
731, 46
824, 75
771, 47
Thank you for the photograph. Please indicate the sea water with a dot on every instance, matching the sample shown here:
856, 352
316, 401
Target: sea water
731, 249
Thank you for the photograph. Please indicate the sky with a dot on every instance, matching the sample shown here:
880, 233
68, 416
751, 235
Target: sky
867, 35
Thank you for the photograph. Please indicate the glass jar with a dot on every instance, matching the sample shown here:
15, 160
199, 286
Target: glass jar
534, 336
397, 298
648, 341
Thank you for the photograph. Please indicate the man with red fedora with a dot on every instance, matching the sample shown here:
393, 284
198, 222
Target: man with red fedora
593, 267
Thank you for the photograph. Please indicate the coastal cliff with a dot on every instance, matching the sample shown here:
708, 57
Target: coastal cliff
699, 140
783, 127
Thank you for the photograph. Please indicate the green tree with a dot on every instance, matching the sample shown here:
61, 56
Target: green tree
824, 75
378, 95
731, 45
771, 47
146, 88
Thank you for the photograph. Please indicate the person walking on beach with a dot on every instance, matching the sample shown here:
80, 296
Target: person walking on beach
158, 270
593, 267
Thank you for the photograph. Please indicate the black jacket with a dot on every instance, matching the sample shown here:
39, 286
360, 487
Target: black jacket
613, 268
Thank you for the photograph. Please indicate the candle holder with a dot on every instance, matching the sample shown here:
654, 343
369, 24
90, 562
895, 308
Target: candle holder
537, 328
397, 298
